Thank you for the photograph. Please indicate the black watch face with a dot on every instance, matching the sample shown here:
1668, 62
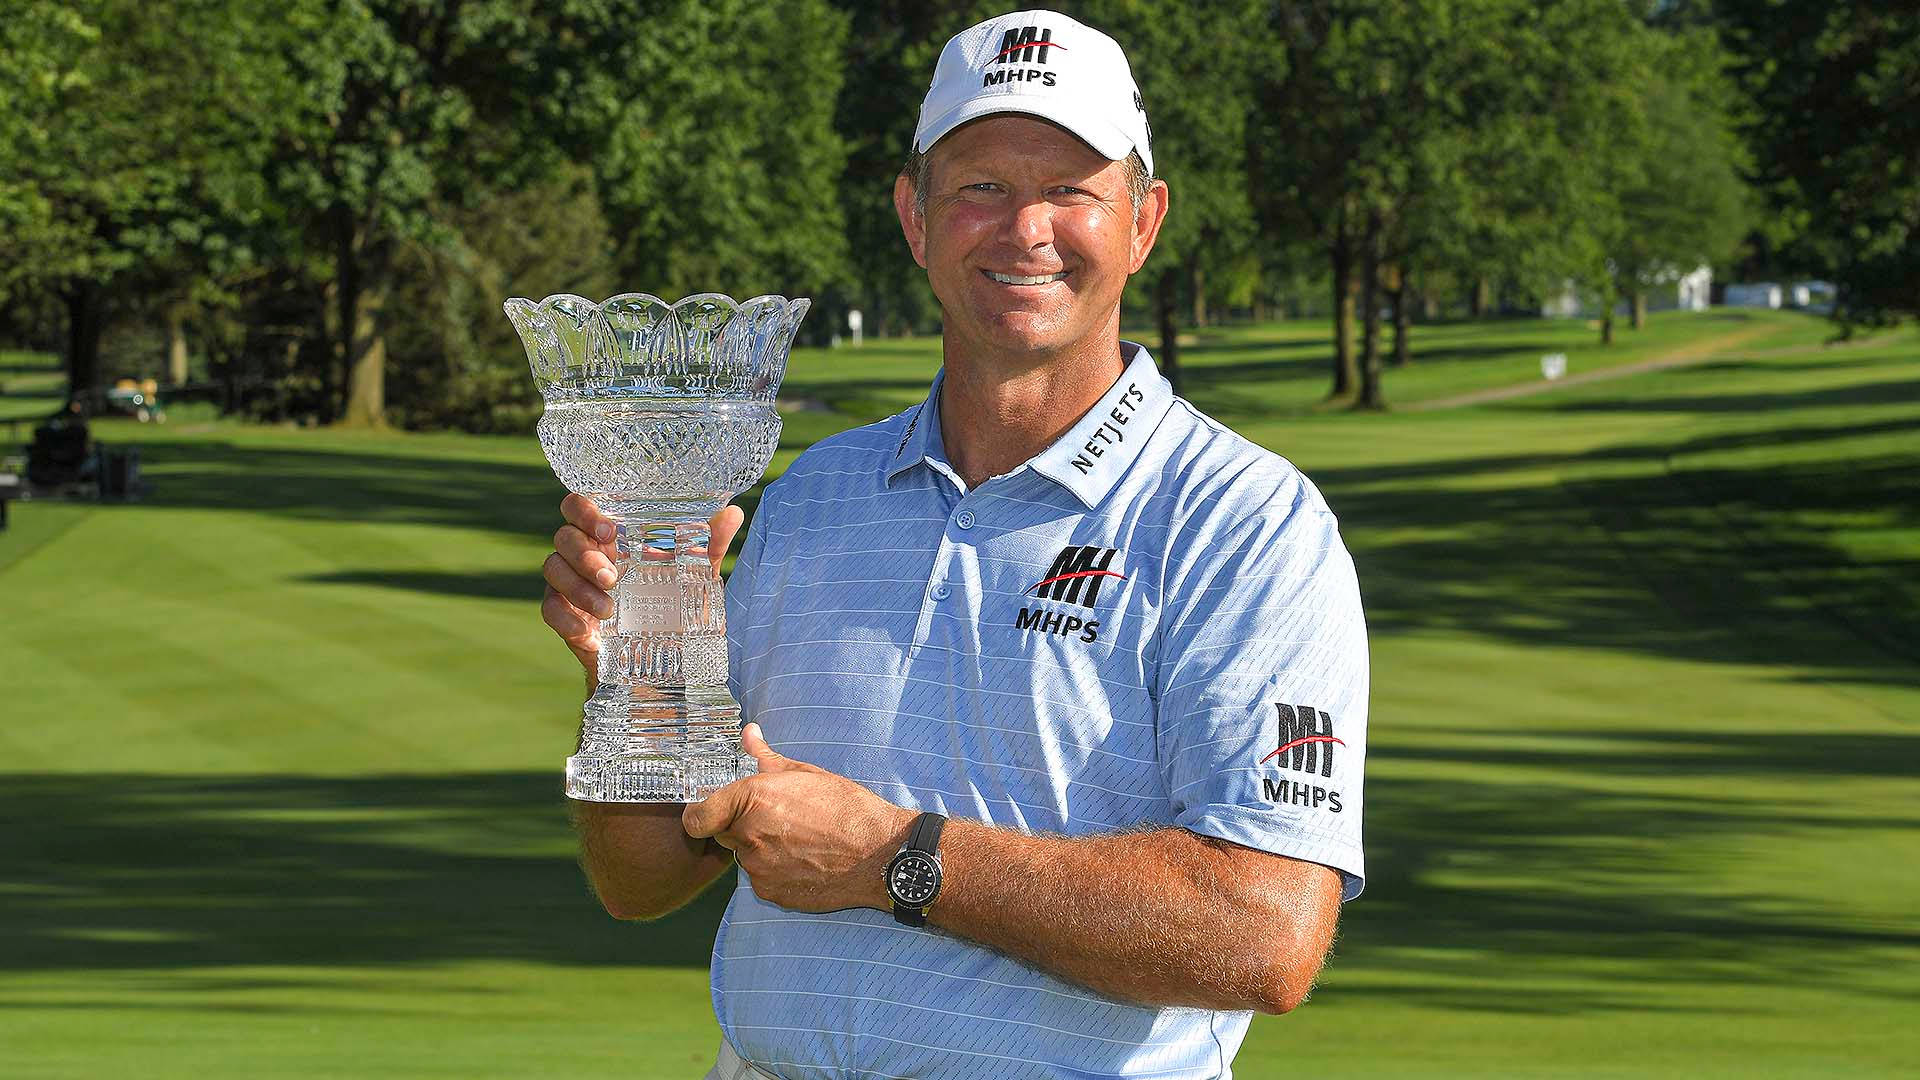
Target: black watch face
914, 879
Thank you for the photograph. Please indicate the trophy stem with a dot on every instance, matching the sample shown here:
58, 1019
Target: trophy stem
661, 726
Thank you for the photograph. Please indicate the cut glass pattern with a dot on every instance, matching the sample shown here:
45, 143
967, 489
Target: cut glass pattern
660, 413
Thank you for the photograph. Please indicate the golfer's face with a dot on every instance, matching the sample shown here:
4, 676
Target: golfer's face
1030, 236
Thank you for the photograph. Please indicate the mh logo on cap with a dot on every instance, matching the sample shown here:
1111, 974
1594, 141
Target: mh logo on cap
1026, 41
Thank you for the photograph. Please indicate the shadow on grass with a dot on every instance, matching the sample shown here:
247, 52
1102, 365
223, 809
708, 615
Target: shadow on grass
149, 871
1723, 565
128, 872
1890, 392
1601, 889
495, 585
325, 485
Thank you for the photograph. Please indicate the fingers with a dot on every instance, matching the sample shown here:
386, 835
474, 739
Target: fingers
725, 525
575, 627
583, 515
574, 589
586, 558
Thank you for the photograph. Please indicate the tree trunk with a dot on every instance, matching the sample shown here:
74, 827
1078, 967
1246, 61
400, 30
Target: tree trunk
1481, 299
1163, 302
1370, 393
1345, 374
177, 345
1197, 284
1402, 321
1639, 310
361, 273
1606, 324
86, 314
366, 361
1429, 306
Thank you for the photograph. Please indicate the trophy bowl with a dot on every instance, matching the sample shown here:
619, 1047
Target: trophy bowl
660, 413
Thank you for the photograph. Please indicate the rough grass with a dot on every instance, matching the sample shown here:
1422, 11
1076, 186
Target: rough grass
281, 742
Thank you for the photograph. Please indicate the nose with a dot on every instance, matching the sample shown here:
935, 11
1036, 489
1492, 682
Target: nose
1029, 224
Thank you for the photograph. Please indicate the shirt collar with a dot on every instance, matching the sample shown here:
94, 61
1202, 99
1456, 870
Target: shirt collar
1090, 456
1097, 450
921, 441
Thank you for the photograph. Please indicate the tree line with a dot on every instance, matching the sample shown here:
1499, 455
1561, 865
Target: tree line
326, 200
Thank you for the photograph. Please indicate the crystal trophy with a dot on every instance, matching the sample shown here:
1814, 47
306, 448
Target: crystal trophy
660, 413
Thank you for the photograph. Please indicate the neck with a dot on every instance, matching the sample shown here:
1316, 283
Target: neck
996, 414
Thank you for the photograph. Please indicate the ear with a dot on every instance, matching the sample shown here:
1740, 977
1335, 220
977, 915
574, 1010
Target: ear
912, 221
1146, 223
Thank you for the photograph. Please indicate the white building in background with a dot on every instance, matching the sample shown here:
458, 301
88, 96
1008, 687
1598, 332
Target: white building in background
1694, 291
1814, 295
1761, 294
1674, 292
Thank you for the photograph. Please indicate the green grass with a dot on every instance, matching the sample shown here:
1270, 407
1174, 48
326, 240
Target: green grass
281, 743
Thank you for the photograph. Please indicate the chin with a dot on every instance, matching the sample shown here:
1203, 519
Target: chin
1027, 333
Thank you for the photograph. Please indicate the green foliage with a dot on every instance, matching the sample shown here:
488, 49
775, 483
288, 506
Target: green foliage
1835, 123
719, 170
315, 188
1682, 201
117, 171
465, 367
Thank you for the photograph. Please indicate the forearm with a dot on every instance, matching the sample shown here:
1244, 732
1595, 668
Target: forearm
1158, 918
640, 860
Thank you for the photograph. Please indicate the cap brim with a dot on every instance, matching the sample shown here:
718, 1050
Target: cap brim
1086, 124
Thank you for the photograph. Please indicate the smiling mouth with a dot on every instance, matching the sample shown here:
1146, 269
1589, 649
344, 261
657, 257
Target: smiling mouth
1024, 279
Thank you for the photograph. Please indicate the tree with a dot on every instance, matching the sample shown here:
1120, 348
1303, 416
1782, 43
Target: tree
719, 167
1685, 203
1835, 130
892, 46
117, 163
1194, 66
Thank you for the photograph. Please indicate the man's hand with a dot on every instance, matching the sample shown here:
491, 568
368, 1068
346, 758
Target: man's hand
809, 840
581, 571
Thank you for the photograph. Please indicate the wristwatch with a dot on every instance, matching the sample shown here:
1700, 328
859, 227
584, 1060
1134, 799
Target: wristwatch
913, 877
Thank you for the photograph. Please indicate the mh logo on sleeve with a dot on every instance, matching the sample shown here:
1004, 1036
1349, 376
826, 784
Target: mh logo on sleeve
1306, 745
1074, 578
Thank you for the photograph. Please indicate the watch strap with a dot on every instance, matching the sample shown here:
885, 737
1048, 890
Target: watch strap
925, 838
926, 833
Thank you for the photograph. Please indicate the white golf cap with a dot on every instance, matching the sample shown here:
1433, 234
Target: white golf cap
1044, 64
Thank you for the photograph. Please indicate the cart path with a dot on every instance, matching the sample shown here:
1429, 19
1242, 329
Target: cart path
1714, 348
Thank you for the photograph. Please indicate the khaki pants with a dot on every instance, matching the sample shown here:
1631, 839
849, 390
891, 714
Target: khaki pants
731, 1066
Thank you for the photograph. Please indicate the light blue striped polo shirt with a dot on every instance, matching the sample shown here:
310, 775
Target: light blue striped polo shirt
1151, 622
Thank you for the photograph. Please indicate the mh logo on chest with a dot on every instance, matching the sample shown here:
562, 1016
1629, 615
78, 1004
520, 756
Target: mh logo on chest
1074, 578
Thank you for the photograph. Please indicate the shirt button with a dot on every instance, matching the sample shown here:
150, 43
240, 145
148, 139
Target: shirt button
941, 592
964, 519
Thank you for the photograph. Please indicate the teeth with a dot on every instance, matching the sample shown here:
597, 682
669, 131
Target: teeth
1015, 279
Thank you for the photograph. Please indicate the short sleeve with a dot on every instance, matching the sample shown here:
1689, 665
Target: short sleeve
1262, 683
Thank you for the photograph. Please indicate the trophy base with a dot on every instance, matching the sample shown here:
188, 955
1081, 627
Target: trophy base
657, 744
654, 778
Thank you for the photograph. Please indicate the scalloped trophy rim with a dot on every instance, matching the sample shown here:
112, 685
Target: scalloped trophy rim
547, 303
546, 325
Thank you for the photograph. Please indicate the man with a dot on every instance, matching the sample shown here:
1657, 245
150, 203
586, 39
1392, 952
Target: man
1113, 651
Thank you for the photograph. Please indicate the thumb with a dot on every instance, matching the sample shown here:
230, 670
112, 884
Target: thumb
755, 743
715, 813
